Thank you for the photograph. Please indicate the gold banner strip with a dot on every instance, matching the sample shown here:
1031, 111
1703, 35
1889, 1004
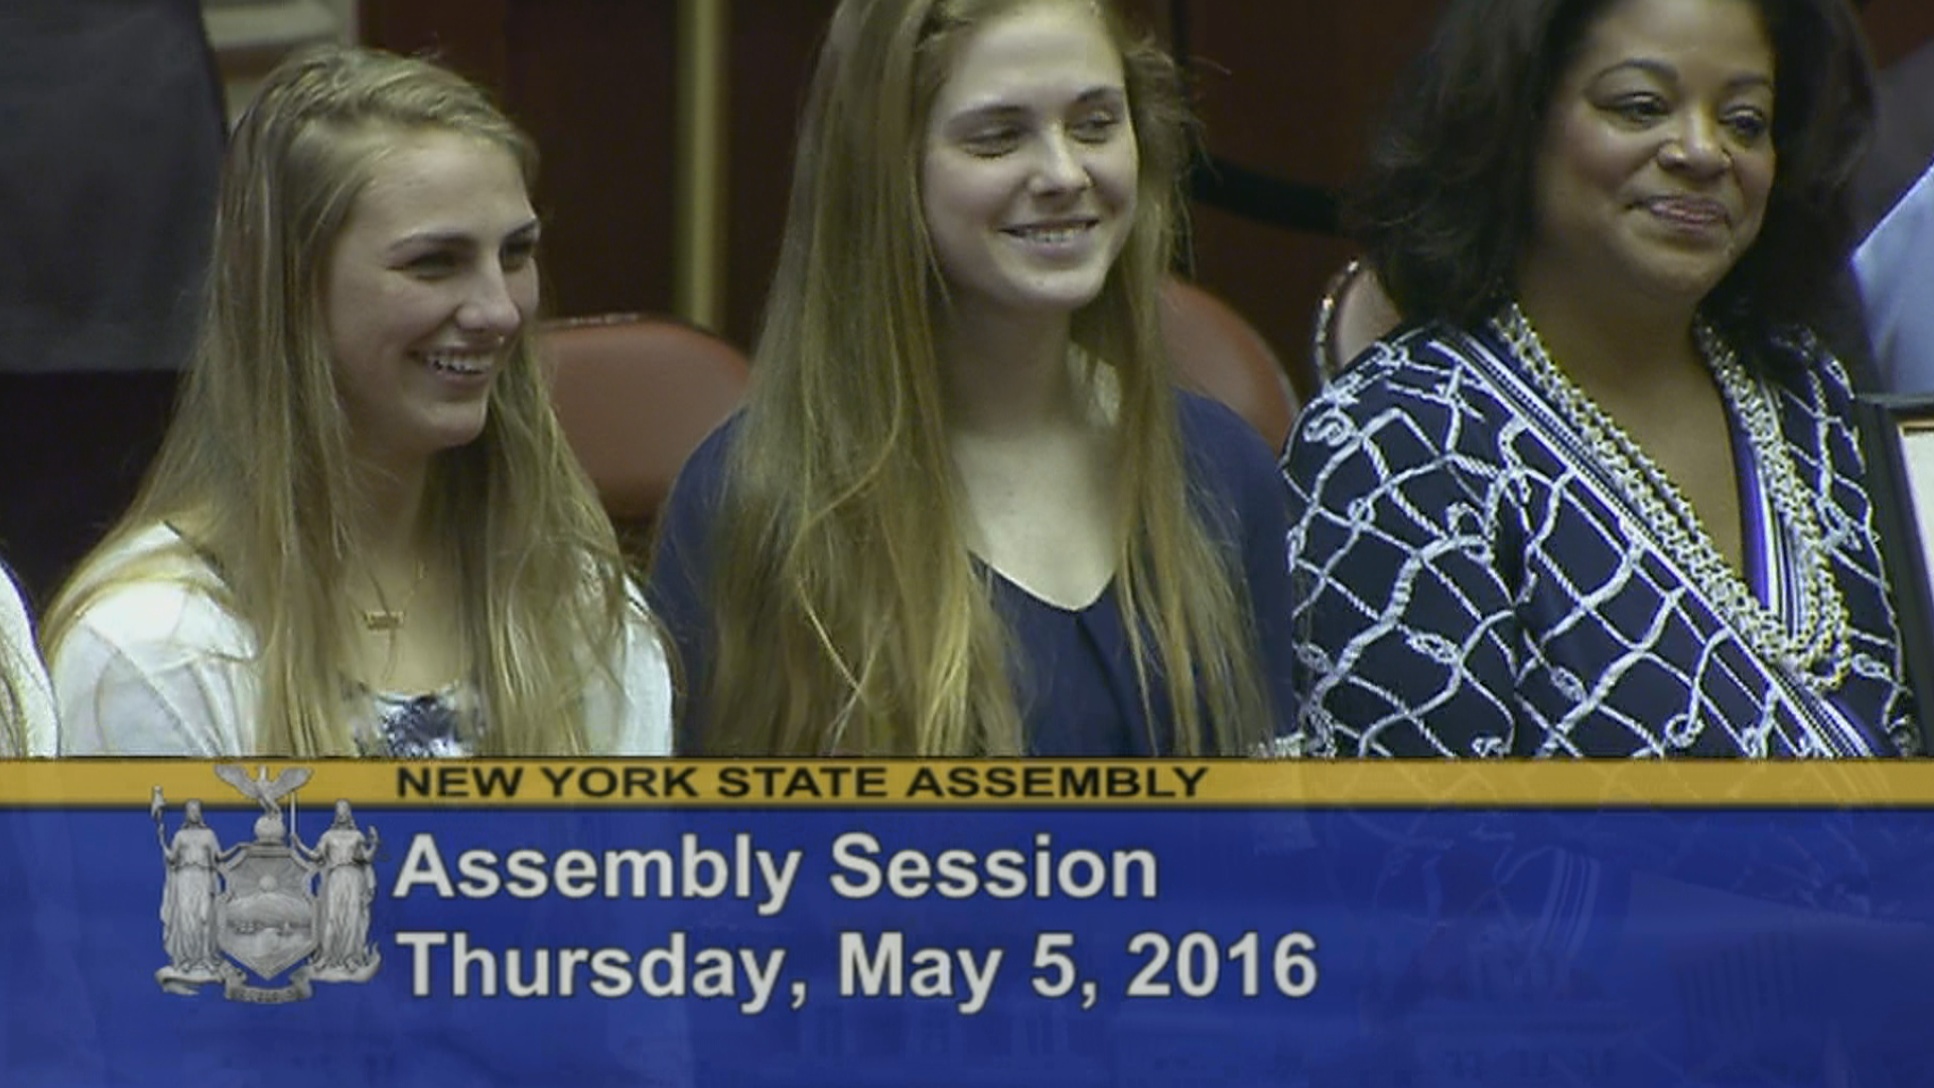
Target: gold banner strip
649, 783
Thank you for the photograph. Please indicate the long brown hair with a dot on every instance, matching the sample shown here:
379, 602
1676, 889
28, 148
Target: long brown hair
256, 471
848, 613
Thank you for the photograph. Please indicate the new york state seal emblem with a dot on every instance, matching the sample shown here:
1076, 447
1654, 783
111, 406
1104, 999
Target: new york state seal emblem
268, 917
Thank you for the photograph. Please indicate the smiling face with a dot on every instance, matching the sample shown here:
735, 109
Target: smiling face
1028, 180
428, 284
1658, 156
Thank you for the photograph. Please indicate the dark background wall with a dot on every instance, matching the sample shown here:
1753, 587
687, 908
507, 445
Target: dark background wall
1286, 89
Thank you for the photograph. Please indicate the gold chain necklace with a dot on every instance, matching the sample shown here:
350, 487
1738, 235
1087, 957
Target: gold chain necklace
386, 618
1819, 652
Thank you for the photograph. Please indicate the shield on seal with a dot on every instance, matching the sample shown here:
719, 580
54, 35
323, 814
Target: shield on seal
265, 919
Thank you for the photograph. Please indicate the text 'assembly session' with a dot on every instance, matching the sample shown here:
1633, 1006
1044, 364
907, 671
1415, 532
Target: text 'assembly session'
743, 870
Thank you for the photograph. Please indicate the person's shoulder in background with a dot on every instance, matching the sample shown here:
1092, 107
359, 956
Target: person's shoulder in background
1903, 143
1891, 266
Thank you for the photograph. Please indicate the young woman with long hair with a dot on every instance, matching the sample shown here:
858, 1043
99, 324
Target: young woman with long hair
365, 533
965, 511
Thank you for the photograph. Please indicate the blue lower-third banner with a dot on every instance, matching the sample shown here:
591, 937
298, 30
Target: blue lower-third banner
228, 925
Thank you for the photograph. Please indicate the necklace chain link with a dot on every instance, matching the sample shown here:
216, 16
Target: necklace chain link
1819, 652
387, 619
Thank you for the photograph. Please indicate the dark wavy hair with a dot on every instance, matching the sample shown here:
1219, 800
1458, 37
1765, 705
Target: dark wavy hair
1445, 205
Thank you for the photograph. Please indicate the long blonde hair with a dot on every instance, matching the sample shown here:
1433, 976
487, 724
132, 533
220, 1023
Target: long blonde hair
13, 715
13, 721
256, 471
849, 615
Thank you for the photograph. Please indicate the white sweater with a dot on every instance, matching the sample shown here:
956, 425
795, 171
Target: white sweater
157, 667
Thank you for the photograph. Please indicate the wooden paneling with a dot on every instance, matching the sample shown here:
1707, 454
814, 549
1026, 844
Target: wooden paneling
773, 45
1897, 27
468, 35
592, 81
1290, 90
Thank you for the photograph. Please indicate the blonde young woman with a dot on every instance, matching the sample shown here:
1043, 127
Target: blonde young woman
965, 512
364, 533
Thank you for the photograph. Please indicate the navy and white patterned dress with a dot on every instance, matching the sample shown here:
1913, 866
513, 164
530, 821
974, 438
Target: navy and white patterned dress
1473, 582
436, 724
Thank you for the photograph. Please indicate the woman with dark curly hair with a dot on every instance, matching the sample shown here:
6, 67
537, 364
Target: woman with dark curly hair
1601, 497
